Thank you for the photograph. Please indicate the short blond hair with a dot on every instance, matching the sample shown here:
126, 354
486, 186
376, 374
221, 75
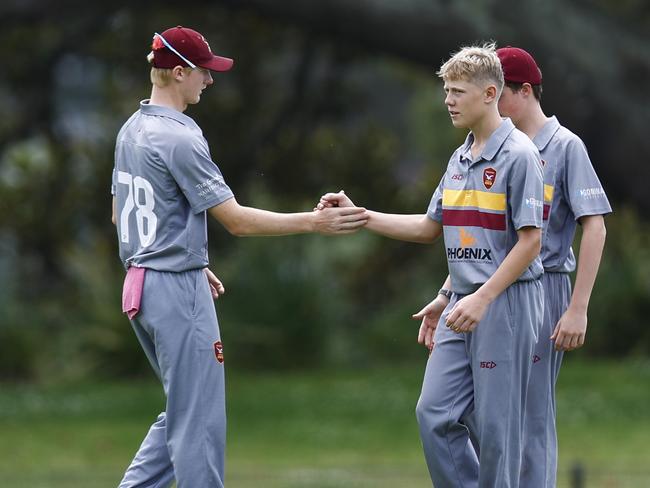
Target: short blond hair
161, 77
476, 64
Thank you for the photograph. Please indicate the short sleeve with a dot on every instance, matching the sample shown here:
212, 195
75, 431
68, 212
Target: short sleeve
114, 182
583, 189
197, 175
434, 212
526, 190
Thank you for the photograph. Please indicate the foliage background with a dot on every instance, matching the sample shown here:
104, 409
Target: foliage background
322, 97
323, 367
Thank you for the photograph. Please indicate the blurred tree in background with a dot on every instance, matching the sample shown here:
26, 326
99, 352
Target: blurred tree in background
324, 96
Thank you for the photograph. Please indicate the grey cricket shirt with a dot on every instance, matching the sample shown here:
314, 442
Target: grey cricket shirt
482, 203
164, 180
571, 190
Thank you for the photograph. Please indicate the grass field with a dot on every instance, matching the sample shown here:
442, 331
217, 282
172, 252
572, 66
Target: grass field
321, 429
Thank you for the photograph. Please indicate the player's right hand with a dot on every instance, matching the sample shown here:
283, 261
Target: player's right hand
334, 220
216, 286
329, 200
430, 315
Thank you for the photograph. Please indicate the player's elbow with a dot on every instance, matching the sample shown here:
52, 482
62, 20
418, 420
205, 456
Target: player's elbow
428, 238
429, 231
236, 228
232, 216
232, 223
239, 225
535, 243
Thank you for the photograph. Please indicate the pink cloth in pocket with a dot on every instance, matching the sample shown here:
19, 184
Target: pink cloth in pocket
132, 291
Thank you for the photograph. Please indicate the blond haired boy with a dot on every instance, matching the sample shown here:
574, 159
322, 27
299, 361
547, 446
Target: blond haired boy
488, 206
164, 186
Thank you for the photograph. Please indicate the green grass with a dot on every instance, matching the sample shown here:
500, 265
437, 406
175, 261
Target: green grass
317, 429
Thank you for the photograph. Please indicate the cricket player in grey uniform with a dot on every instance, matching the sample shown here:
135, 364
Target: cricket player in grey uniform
572, 194
489, 207
164, 184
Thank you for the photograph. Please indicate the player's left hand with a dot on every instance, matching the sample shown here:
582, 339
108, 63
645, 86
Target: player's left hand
429, 316
216, 287
330, 200
467, 313
570, 331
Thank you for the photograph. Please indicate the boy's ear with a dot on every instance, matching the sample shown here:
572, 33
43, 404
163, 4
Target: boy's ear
178, 72
491, 93
527, 89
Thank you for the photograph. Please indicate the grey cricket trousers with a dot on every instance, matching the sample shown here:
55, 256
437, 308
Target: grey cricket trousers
539, 464
484, 374
178, 330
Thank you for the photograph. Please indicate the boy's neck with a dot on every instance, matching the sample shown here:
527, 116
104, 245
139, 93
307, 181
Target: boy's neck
533, 121
166, 98
484, 128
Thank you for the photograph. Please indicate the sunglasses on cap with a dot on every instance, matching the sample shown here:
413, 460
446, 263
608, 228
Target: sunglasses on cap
171, 48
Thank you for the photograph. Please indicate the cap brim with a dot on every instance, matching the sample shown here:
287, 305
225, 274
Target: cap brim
218, 63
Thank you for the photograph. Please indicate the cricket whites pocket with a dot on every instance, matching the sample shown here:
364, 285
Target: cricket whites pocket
492, 339
204, 315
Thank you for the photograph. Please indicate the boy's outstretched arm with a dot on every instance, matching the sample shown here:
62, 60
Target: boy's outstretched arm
248, 221
411, 228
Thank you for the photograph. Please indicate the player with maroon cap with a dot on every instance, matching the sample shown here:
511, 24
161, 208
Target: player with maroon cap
572, 195
192, 44
164, 185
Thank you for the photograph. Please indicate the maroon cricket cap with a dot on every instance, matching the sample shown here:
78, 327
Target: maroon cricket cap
190, 45
519, 66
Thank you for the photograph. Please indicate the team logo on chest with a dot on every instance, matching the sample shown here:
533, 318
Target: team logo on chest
489, 177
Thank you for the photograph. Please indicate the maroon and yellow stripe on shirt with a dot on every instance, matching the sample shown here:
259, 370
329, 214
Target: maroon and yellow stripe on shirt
474, 208
548, 200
